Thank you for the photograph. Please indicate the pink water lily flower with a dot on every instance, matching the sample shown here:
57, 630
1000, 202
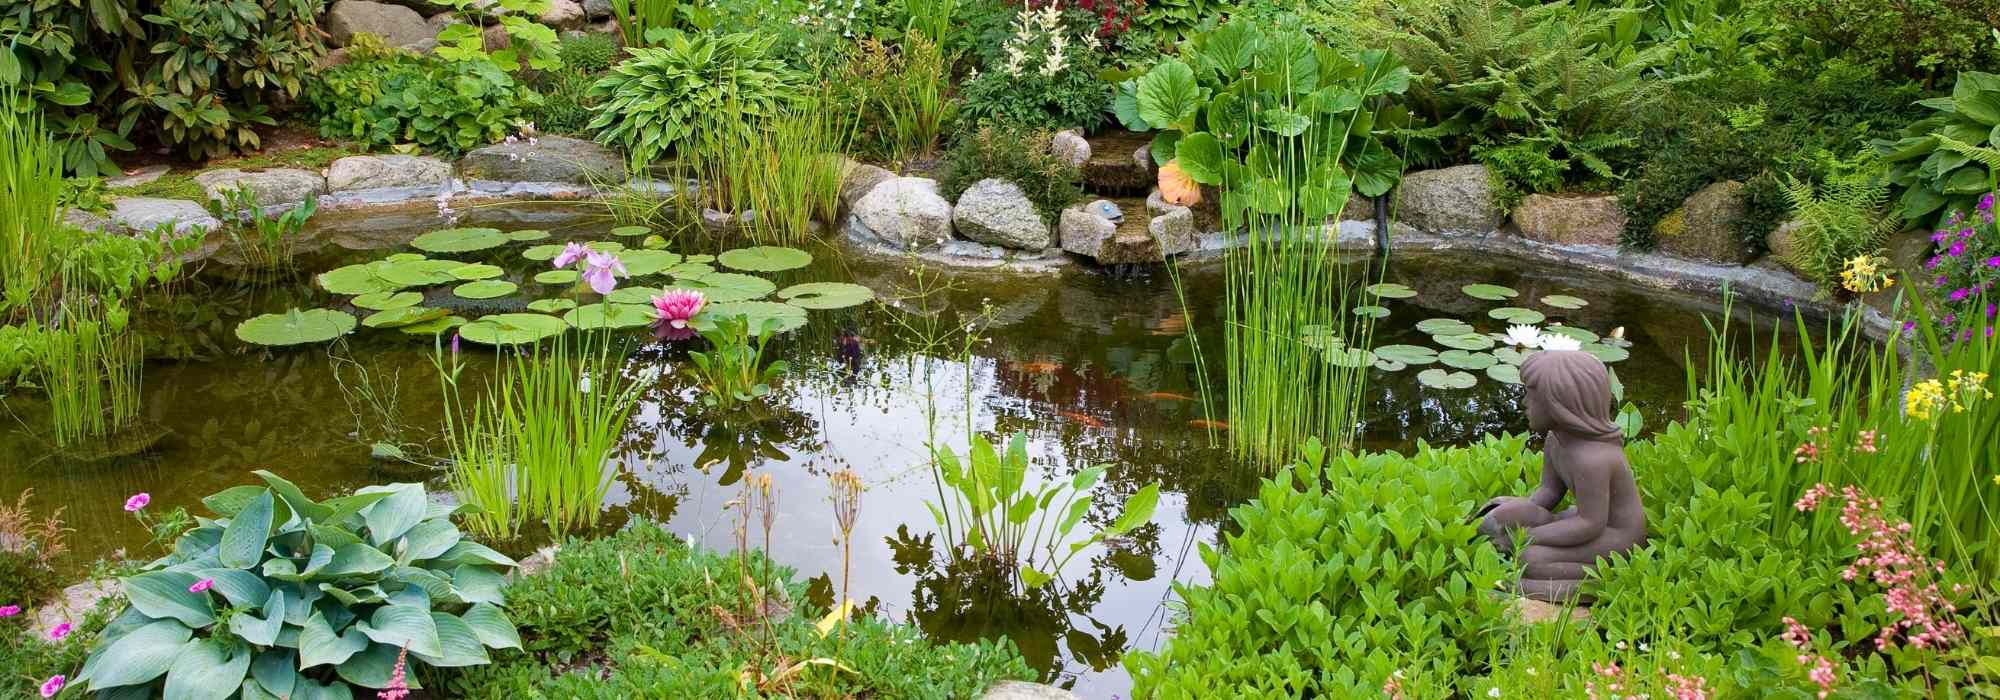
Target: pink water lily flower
137, 501
53, 685
601, 271
570, 254
202, 585
675, 308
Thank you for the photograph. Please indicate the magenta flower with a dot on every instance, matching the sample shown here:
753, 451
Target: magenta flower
60, 631
570, 254
137, 501
601, 271
9, 610
52, 686
1956, 250
1986, 202
1993, 261
1961, 294
399, 687
675, 308
202, 585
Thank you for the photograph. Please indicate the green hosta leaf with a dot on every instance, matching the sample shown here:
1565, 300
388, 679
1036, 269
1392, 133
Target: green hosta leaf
164, 594
1564, 301
261, 631
512, 329
476, 584
476, 271
491, 624
764, 259
1441, 379
826, 295
459, 240
485, 289
461, 644
1391, 290
140, 656
1489, 292
295, 327
1517, 315
395, 514
383, 301
400, 626
361, 559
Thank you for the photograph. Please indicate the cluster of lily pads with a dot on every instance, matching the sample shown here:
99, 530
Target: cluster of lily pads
392, 290
1462, 348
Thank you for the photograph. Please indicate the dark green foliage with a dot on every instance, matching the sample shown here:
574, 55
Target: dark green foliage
1944, 162
396, 97
640, 614
1926, 40
1044, 76
566, 103
690, 88
1017, 155
589, 52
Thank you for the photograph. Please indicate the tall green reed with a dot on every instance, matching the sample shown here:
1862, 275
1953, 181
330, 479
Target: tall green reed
915, 104
30, 220
91, 365
930, 19
636, 18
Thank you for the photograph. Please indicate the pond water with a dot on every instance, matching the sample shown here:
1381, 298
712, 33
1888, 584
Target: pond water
1093, 370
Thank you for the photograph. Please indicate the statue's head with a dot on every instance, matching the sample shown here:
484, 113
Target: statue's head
1569, 391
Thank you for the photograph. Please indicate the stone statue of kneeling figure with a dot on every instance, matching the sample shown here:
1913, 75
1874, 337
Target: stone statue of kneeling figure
1569, 398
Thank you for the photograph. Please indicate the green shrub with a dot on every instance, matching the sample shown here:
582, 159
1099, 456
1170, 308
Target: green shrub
1929, 40
689, 88
1839, 221
588, 52
566, 103
1045, 76
894, 100
1017, 155
640, 614
397, 97
296, 597
31, 659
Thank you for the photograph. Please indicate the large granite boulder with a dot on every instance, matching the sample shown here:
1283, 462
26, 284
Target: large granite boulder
562, 14
357, 173
1783, 242
1089, 234
902, 213
860, 179
1070, 146
138, 177
995, 211
395, 24
1586, 219
597, 9
427, 8
545, 159
1704, 227
1450, 201
1172, 225
146, 214
269, 187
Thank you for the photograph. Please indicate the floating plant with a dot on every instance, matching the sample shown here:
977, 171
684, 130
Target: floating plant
485, 289
826, 295
564, 276
1462, 359
765, 258
1391, 290
530, 234
1489, 292
1442, 379
434, 327
1407, 354
295, 327
640, 263
724, 287
1465, 341
1443, 326
476, 271
459, 240
512, 329
1564, 301
404, 316
384, 301
1504, 373
594, 316
1372, 311
550, 306
631, 231
1517, 315
755, 313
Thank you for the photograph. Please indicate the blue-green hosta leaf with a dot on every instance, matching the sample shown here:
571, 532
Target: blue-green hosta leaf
358, 559
461, 644
339, 509
431, 539
292, 496
164, 594
395, 514
318, 645
241, 588
230, 501
476, 584
470, 552
288, 570
365, 595
207, 670
261, 631
374, 666
400, 626
491, 624
243, 540
276, 672
140, 656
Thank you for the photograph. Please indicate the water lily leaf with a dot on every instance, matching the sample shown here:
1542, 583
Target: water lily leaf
1391, 290
701, 259
1319, 337
355, 279
724, 287
595, 316
530, 234
1489, 292
1582, 335
512, 329
434, 327
630, 231
639, 263
605, 246
476, 271
1407, 354
1388, 365
1518, 315
1465, 341
558, 277
632, 295
1372, 311
485, 289
1564, 301
1511, 356
1441, 379
459, 240
690, 269
654, 242
754, 312
765, 258
1443, 326
1607, 353
404, 257
404, 316
826, 295
383, 301
544, 252
1467, 360
550, 306
1351, 357
295, 327
1504, 373
417, 273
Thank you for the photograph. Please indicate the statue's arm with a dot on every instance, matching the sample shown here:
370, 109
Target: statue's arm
1551, 491
1592, 490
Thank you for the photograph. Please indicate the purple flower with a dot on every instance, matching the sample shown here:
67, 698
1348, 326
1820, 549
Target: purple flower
1941, 281
1993, 261
1966, 233
9, 610
1909, 325
454, 342
202, 586
137, 501
1992, 310
1932, 263
1961, 294
601, 270
59, 631
53, 685
570, 254
1986, 202
1939, 236
1956, 250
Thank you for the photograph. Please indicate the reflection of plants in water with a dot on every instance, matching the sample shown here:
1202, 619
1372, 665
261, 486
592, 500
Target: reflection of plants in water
266, 244
1004, 519
965, 599
373, 398
733, 372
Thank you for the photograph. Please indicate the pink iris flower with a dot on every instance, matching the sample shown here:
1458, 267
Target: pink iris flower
601, 271
675, 308
137, 501
570, 254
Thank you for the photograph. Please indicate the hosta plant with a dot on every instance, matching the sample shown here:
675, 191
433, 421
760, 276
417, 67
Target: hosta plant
687, 86
1943, 163
280, 596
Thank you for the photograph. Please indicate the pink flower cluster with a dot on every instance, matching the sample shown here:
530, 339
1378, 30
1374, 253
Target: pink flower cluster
399, 686
1614, 681
1891, 559
1687, 687
1819, 669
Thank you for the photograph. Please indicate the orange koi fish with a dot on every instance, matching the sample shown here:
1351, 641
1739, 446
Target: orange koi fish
1204, 424
1081, 419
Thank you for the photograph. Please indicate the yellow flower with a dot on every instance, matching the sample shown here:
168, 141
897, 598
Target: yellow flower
1924, 399
1864, 274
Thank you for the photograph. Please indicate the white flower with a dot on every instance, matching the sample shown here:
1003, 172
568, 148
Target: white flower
1561, 342
1524, 336
1493, 692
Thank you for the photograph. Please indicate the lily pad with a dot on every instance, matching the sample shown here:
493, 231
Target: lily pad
689, 269
826, 295
1465, 341
1582, 335
530, 234
1467, 360
512, 329
295, 327
1564, 301
405, 316
485, 289
459, 240
355, 279
756, 312
1388, 365
701, 259
435, 326
476, 271
1489, 292
1391, 290
417, 273
1443, 326
1407, 354
605, 246
1607, 353
544, 252
384, 301
1351, 357
1511, 356
594, 316
632, 295
550, 306
557, 276
1504, 373
654, 242
1372, 311
639, 263
725, 287
1319, 337
765, 258
1441, 379
630, 231
1517, 315
404, 257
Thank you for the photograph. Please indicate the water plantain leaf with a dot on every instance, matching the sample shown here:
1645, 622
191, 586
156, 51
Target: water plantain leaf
1138, 510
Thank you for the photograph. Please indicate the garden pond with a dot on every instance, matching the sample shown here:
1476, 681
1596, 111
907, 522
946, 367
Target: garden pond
1092, 369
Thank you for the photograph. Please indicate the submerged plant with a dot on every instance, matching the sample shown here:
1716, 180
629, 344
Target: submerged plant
1028, 528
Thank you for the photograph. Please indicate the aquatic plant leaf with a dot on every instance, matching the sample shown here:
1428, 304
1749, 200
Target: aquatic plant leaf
295, 327
434, 327
631, 231
1504, 373
632, 295
1607, 353
1407, 354
403, 316
689, 268
1443, 326
544, 252
512, 329
357, 279
1391, 290
1351, 357
529, 234
639, 263
384, 301
1465, 341
404, 257
826, 295
1441, 379
1388, 365
1564, 301
595, 316
550, 306
1372, 311
701, 259
485, 289
1511, 356
1462, 359
1582, 335
1489, 292
764, 258
754, 313
557, 276
724, 287
459, 240
476, 271
605, 246
654, 242
417, 273
1517, 315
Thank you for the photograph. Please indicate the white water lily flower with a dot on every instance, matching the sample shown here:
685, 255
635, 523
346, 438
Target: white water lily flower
1524, 336
1561, 342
